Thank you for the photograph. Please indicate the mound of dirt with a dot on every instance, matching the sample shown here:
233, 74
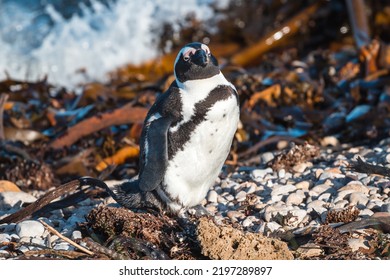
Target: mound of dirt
228, 243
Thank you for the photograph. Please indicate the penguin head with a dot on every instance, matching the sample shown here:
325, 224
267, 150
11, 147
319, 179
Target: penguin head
194, 62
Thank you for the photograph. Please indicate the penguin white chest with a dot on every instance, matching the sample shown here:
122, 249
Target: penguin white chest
195, 167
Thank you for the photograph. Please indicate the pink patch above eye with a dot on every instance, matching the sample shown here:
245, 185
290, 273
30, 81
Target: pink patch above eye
188, 51
205, 48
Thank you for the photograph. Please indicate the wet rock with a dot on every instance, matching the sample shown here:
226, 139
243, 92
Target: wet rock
228, 243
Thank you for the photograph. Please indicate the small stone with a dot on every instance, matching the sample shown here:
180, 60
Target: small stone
282, 189
272, 226
358, 199
303, 185
366, 213
267, 157
309, 250
5, 237
281, 173
234, 215
62, 246
10, 199
388, 158
76, 235
211, 208
29, 228
212, 196
357, 243
240, 195
301, 167
260, 173
7, 227
355, 188
385, 207
294, 199
316, 205
330, 141
247, 222
319, 189
8, 186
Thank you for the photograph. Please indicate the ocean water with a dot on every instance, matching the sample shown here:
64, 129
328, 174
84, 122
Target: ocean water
78, 41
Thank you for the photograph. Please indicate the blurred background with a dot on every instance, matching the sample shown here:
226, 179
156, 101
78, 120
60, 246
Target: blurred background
74, 42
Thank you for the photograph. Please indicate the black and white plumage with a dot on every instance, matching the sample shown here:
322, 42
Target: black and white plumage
186, 137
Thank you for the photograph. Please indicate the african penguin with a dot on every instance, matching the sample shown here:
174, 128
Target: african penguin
186, 137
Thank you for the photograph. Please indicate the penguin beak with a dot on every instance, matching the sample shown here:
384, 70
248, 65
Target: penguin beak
200, 58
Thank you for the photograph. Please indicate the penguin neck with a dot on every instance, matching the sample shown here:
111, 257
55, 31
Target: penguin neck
203, 85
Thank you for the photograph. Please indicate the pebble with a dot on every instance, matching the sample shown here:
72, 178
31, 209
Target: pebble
4, 237
355, 187
357, 243
10, 199
316, 205
267, 157
76, 235
295, 198
212, 196
303, 185
259, 174
282, 189
319, 189
62, 246
29, 228
385, 207
358, 199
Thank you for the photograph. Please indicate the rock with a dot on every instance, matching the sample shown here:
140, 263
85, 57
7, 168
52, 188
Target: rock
301, 167
212, 196
282, 189
303, 185
271, 227
270, 211
385, 207
357, 243
358, 199
235, 215
29, 228
4, 237
316, 205
309, 250
281, 173
10, 199
329, 141
355, 188
259, 174
319, 189
228, 243
7, 186
76, 235
247, 222
295, 199
266, 157
241, 195
365, 213
62, 246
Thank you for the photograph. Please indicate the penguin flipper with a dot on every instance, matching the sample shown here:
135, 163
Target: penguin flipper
156, 156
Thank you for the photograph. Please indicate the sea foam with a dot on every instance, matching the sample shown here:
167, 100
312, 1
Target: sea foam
87, 45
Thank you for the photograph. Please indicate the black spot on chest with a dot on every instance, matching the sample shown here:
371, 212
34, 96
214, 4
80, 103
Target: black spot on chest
180, 137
